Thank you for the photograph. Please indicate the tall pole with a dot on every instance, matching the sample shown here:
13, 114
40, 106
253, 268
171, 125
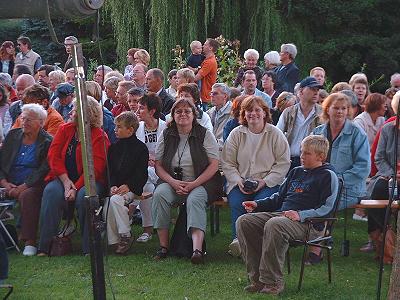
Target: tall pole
94, 223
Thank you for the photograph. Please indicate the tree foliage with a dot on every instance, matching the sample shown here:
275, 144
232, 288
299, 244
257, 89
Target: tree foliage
339, 35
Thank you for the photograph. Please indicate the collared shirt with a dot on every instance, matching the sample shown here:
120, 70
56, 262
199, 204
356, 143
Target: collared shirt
263, 95
300, 131
63, 110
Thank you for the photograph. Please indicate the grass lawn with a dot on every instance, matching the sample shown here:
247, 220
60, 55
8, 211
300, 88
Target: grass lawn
138, 276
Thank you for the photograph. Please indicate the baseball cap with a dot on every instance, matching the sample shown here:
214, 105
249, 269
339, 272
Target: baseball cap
63, 90
310, 82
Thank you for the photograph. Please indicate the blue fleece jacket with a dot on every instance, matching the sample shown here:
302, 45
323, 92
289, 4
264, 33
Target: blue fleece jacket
310, 192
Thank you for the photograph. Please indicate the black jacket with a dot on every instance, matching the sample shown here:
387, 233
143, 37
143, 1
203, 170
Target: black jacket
11, 147
167, 101
128, 160
286, 78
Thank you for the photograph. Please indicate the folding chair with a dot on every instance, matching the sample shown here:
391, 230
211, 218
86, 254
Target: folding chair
325, 241
4, 217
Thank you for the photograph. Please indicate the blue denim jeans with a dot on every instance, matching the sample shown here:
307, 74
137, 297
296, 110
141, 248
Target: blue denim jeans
53, 206
236, 198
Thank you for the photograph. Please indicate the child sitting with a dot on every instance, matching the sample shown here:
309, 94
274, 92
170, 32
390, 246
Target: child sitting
128, 159
308, 191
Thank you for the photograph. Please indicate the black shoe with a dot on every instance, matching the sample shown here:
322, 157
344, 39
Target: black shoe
161, 253
197, 257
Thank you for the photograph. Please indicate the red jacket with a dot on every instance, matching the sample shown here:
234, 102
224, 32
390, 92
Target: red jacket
58, 150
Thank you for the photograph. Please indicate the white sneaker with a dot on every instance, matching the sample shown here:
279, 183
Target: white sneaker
29, 251
234, 248
144, 238
360, 218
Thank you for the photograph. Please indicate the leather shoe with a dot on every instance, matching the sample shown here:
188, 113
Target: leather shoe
197, 257
254, 287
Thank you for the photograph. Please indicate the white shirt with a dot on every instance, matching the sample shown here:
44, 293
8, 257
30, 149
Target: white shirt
365, 122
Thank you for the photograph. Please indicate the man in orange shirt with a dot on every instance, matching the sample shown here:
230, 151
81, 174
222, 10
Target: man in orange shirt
41, 95
208, 71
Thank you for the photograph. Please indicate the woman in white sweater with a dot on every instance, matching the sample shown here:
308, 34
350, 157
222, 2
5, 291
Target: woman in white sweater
255, 150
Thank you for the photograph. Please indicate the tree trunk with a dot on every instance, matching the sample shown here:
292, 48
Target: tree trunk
394, 287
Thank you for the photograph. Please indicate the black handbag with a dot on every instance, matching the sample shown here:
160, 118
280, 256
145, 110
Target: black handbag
181, 245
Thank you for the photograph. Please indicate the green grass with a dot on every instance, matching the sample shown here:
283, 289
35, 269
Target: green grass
138, 276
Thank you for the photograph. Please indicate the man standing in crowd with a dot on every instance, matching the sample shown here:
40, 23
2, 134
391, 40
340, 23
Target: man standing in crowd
27, 56
139, 75
221, 111
299, 120
154, 83
69, 41
249, 84
287, 73
63, 103
23, 82
208, 71
43, 75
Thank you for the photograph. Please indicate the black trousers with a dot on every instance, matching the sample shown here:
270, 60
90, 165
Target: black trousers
376, 216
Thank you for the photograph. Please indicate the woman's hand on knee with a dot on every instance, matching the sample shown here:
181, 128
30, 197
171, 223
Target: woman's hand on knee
261, 185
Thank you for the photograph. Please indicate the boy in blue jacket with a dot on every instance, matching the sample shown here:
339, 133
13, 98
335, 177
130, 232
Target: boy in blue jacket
308, 191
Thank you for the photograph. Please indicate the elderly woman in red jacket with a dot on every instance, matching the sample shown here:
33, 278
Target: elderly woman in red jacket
66, 181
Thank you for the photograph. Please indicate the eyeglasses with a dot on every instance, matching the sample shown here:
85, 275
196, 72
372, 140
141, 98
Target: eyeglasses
26, 119
183, 111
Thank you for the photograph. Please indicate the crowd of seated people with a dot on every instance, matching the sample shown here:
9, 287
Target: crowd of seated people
174, 144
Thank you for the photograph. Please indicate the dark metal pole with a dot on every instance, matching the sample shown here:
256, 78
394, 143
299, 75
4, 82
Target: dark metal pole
94, 223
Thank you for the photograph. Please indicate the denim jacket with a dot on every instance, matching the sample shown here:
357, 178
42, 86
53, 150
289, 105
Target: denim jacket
350, 156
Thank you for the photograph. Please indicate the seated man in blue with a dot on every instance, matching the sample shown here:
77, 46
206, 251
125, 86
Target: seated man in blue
309, 191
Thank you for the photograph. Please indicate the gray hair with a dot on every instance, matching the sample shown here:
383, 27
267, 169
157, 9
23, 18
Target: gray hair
157, 73
5, 79
107, 69
72, 39
393, 78
352, 97
251, 52
58, 75
112, 83
224, 88
272, 57
38, 110
289, 48
187, 74
395, 102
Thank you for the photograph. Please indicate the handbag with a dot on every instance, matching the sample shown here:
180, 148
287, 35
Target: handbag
181, 245
61, 244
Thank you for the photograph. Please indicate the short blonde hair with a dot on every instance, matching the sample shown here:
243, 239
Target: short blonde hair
317, 69
330, 100
128, 119
194, 43
57, 75
143, 56
94, 112
340, 86
187, 74
316, 143
93, 89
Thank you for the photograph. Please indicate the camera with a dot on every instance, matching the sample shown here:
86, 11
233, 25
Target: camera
250, 185
178, 175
